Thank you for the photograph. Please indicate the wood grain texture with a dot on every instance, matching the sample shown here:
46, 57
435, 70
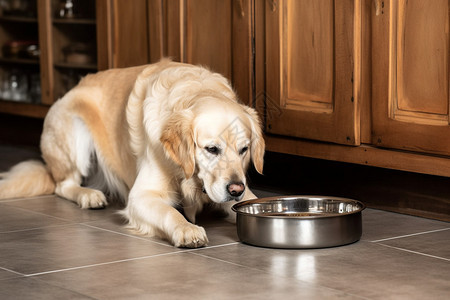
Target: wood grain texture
307, 44
155, 30
208, 34
130, 35
366, 73
46, 48
104, 34
422, 56
213, 33
24, 109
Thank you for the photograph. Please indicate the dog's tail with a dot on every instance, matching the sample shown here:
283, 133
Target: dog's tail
27, 179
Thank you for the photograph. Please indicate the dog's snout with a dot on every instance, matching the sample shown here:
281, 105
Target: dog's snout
235, 189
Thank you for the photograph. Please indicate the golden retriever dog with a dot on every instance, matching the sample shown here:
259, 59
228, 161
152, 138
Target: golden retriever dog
160, 136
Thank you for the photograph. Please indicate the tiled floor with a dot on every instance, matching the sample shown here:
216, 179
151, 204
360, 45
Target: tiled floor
50, 249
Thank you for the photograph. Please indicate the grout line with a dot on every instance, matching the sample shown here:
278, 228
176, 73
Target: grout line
118, 261
101, 264
17, 273
409, 235
40, 213
156, 242
415, 252
211, 247
26, 198
228, 262
38, 228
127, 235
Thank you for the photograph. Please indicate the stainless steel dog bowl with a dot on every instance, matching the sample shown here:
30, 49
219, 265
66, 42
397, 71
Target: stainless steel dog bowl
299, 221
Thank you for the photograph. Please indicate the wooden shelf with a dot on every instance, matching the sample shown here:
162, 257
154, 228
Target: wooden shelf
18, 19
75, 21
65, 65
24, 109
20, 61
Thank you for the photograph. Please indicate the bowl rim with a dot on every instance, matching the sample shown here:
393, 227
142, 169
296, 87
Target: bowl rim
236, 206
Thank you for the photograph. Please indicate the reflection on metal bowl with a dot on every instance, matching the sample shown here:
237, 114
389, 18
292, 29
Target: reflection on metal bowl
299, 221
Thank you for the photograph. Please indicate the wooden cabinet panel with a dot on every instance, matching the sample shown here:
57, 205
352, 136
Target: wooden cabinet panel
421, 55
207, 33
307, 47
311, 75
411, 76
129, 37
213, 33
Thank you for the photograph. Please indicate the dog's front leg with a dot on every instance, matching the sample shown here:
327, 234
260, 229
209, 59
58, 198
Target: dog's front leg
150, 212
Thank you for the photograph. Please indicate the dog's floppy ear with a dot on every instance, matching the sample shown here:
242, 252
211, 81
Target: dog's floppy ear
258, 145
178, 140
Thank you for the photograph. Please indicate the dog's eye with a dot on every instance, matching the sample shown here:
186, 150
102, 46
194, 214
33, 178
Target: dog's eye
212, 149
243, 150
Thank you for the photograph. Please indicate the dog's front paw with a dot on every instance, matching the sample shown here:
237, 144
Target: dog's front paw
190, 236
90, 198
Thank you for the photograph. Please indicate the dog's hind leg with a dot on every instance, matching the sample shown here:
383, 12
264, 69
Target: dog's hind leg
68, 154
71, 189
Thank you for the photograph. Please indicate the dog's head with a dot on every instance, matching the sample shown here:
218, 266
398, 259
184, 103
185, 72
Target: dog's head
215, 140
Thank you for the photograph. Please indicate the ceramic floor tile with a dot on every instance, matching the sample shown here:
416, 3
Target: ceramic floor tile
435, 243
30, 288
379, 224
62, 208
219, 231
13, 219
182, 275
364, 269
51, 249
71, 246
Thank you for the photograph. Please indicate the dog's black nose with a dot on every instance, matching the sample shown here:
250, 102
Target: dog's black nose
235, 189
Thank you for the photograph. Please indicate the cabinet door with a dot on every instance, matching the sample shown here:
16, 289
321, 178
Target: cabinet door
311, 74
129, 36
213, 33
411, 75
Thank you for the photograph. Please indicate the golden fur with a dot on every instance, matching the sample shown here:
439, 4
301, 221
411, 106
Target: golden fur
157, 136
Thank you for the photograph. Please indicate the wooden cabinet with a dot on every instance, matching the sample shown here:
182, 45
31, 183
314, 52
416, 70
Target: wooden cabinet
213, 33
411, 76
360, 81
69, 51
127, 23
19, 55
68, 37
310, 52
371, 74
74, 38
